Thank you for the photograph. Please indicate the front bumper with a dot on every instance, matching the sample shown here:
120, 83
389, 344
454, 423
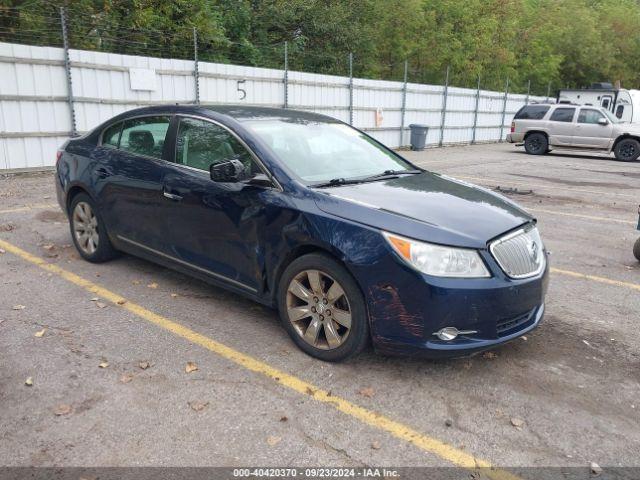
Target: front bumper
406, 308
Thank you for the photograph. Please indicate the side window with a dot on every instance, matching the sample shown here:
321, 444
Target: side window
200, 144
588, 115
111, 135
144, 136
532, 112
619, 111
563, 115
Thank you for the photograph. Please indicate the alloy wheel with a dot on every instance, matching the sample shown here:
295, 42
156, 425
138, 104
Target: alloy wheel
627, 150
318, 309
85, 228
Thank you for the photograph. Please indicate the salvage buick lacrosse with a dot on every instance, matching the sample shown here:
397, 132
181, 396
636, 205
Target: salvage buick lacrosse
348, 240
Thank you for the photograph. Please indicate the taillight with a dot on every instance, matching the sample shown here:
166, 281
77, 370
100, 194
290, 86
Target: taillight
58, 156
513, 127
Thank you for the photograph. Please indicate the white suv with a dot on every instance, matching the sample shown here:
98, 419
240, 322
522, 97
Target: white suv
544, 127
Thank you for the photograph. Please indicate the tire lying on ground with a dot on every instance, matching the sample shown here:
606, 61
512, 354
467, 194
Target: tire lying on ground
536, 144
627, 150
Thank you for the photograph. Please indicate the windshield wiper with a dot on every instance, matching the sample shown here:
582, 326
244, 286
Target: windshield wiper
334, 182
390, 173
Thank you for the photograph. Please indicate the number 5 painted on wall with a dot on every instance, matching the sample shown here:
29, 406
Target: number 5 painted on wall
242, 91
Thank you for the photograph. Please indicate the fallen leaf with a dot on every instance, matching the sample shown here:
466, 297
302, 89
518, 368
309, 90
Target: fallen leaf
524, 337
190, 367
273, 440
367, 392
49, 246
595, 469
121, 302
489, 355
174, 295
2, 250
517, 422
40, 333
104, 364
101, 305
19, 307
198, 406
135, 282
63, 409
153, 285
376, 445
283, 418
29, 382
126, 378
144, 365
95, 299
448, 422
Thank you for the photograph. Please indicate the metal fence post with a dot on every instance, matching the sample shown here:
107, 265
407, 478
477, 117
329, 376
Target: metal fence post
286, 75
196, 75
548, 91
350, 88
526, 101
504, 109
445, 92
67, 67
404, 103
475, 113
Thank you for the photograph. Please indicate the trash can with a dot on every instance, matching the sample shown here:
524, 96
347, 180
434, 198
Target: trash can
418, 136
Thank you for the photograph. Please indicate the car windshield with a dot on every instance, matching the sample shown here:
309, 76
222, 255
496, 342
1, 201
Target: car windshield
610, 116
319, 152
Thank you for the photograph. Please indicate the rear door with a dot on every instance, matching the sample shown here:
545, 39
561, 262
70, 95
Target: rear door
589, 133
561, 126
132, 175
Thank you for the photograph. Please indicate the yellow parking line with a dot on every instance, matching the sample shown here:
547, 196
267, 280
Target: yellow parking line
579, 215
26, 208
369, 417
595, 278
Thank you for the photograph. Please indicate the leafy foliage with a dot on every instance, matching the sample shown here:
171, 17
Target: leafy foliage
567, 43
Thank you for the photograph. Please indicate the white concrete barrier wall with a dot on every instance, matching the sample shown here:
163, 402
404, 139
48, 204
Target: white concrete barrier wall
35, 117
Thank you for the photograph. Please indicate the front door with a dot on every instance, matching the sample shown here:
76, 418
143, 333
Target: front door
214, 227
589, 132
132, 174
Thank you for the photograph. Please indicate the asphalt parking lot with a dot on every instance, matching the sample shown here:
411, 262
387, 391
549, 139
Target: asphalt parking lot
107, 348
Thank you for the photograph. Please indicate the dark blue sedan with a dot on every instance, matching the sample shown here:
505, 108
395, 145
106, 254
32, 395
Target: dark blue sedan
351, 242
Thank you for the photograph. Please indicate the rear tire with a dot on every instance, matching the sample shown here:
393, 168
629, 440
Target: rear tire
536, 144
627, 150
88, 231
322, 308
636, 249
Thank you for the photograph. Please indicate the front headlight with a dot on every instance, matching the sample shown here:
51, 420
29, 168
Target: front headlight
438, 260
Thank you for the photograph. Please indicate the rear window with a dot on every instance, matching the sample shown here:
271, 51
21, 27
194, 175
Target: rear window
563, 114
532, 112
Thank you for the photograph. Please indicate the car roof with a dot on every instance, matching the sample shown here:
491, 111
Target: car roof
239, 113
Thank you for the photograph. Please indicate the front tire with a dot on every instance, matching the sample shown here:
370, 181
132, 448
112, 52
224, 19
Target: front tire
627, 150
636, 249
322, 308
536, 144
88, 231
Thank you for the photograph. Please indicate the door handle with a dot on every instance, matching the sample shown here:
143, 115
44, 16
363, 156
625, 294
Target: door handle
172, 196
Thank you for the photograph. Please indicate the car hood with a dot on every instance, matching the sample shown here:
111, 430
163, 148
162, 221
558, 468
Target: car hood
427, 207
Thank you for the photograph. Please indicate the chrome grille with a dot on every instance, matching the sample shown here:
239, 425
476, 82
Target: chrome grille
520, 254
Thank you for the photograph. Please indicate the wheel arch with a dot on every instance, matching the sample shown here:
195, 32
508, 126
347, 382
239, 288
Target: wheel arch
73, 191
536, 131
624, 136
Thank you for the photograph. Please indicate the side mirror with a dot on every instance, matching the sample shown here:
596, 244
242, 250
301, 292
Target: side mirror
603, 121
260, 180
229, 171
